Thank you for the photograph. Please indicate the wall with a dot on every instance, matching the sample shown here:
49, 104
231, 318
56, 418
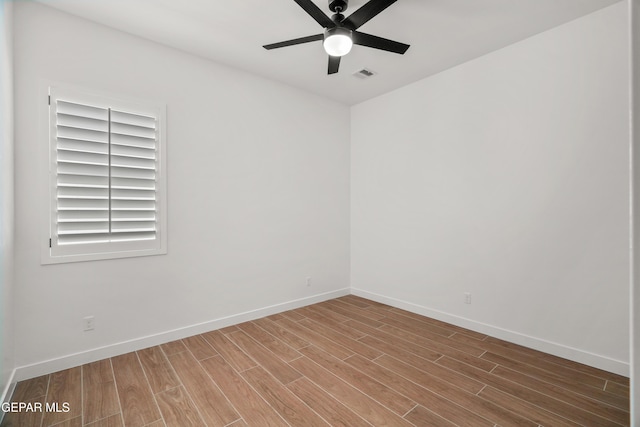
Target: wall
506, 177
634, 18
6, 198
258, 198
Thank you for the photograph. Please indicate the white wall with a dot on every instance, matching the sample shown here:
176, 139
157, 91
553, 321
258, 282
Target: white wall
634, 18
6, 197
506, 177
258, 196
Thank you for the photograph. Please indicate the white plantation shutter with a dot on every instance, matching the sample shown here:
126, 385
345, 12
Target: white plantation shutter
106, 175
82, 170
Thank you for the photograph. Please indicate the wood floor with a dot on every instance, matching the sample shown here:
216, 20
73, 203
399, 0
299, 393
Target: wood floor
345, 362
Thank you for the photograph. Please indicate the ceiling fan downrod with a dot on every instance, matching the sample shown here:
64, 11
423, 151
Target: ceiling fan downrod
338, 6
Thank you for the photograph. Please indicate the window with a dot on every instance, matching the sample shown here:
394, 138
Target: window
106, 178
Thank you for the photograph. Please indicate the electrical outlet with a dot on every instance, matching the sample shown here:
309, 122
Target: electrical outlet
88, 323
467, 297
308, 281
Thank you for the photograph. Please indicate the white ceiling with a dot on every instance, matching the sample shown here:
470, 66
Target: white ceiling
442, 34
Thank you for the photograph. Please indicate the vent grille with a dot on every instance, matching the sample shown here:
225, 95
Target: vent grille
365, 73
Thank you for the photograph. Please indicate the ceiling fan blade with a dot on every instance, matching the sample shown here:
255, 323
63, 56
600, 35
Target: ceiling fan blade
316, 13
293, 42
376, 42
365, 13
334, 64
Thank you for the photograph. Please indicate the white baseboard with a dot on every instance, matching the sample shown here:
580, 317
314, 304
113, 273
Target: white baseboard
49, 366
577, 355
7, 393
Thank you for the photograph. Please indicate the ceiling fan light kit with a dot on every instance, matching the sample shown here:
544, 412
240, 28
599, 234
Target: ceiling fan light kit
337, 41
340, 33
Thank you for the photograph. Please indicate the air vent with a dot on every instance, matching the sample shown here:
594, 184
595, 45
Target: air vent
364, 73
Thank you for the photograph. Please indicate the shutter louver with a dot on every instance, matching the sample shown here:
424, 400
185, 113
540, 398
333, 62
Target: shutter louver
133, 157
106, 167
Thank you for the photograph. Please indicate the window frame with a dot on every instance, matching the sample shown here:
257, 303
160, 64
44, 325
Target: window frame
51, 253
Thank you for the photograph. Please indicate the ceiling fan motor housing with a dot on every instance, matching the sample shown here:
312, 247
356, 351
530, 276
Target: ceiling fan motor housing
338, 6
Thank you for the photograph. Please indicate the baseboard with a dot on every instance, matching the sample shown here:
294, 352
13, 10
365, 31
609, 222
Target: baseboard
53, 365
49, 366
577, 355
7, 393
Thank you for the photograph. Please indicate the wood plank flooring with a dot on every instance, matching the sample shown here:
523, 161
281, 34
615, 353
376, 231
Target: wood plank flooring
343, 362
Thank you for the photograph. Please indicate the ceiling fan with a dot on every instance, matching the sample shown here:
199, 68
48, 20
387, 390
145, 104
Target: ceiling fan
340, 33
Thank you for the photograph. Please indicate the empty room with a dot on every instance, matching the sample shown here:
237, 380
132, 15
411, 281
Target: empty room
318, 212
